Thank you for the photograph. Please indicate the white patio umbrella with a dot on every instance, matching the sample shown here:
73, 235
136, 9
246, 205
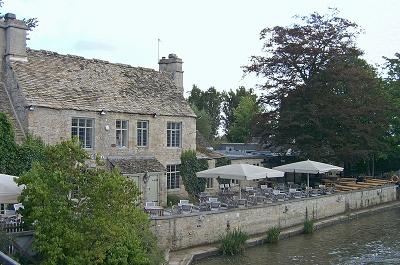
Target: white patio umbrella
9, 190
308, 167
240, 172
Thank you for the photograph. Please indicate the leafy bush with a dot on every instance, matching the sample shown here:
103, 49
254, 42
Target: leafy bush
232, 242
273, 234
308, 226
172, 199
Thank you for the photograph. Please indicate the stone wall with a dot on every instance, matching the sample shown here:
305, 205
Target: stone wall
198, 229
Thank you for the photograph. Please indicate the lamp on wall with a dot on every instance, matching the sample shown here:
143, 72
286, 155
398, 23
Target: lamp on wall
102, 112
30, 108
155, 115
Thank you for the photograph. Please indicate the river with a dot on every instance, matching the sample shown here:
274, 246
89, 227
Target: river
372, 239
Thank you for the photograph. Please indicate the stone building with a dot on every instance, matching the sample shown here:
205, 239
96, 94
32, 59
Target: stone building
136, 118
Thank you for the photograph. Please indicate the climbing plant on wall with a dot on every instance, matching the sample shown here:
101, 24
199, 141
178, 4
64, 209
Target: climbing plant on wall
8, 147
190, 165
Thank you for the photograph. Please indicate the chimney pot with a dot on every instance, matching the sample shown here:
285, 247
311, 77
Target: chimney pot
172, 56
10, 16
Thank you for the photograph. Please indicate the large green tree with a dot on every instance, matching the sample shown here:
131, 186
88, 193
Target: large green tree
209, 101
325, 102
241, 129
84, 215
203, 123
391, 82
231, 100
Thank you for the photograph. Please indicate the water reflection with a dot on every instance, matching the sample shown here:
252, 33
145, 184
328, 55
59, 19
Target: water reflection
371, 239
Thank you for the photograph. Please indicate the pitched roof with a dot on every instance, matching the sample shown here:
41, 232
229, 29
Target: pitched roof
60, 81
134, 165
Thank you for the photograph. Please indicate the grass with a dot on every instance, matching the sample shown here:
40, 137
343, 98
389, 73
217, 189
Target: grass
308, 227
273, 234
233, 242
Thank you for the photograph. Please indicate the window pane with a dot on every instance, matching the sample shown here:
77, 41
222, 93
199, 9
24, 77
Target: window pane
82, 134
82, 122
125, 125
125, 138
88, 138
118, 138
118, 124
139, 137
89, 123
74, 122
74, 131
145, 138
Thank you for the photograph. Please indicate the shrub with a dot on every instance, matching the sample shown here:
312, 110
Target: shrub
232, 242
273, 234
172, 199
308, 226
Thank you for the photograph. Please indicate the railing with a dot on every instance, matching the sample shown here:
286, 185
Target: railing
6, 260
11, 228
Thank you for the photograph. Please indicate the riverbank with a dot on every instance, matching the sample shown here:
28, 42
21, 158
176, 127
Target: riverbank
186, 256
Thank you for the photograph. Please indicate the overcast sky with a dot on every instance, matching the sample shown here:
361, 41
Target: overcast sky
213, 37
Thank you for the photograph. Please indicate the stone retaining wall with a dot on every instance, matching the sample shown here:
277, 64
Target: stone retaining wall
186, 231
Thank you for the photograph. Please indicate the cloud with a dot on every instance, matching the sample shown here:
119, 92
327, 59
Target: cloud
84, 45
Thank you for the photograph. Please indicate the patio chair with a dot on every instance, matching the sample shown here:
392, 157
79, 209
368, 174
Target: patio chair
203, 207
150, 204
184, 202
214, 206
242, 202
314, 193
281, 186
211, 199
222, 187
297, 195
281, 197
249, 189
275, 192
186, 208
227, 187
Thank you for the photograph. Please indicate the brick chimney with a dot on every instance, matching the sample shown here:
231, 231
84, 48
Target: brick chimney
173, 65
13, 38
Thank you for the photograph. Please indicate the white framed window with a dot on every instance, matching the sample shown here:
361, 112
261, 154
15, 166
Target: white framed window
83, 129
173, 177
121, 133
2, 208
209, 183
143, 133
174, 133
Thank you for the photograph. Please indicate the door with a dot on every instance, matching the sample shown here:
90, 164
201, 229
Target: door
152, 189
